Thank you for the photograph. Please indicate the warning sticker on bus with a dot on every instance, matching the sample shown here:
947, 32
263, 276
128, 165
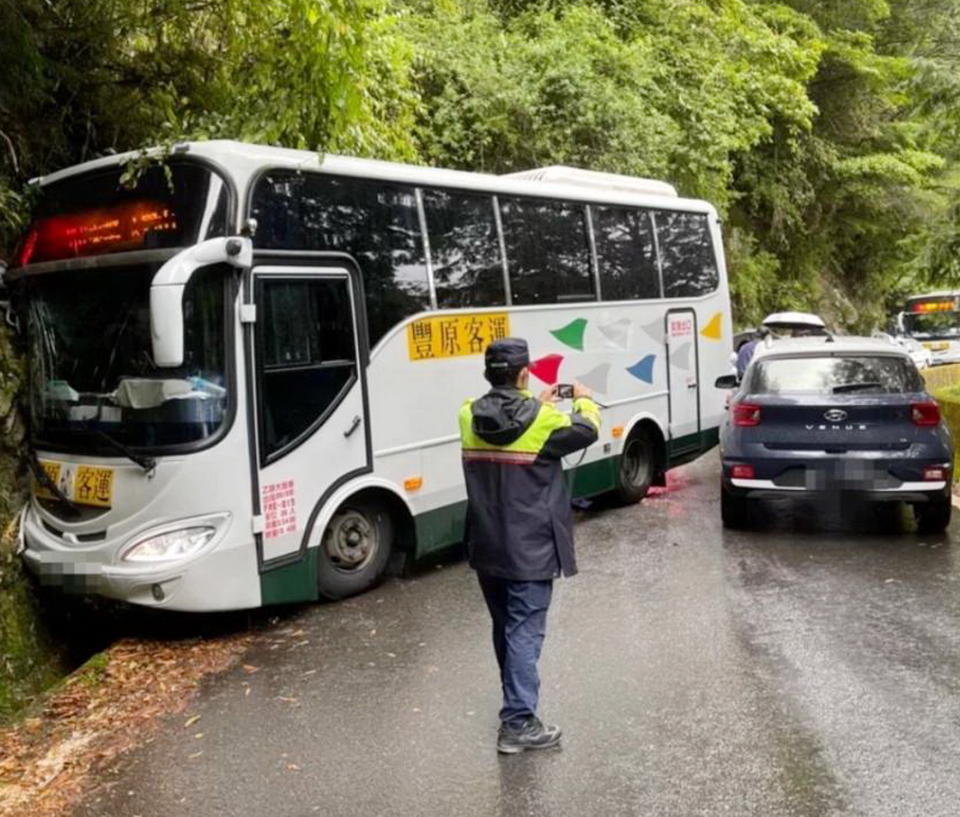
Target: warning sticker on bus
455, 335
279, 509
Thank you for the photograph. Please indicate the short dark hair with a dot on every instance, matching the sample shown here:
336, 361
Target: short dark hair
502, 376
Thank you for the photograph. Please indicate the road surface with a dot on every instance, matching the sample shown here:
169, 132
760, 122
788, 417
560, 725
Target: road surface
810, 667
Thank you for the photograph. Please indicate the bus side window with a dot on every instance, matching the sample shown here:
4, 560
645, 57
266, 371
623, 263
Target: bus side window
626, 254
464, 249
686, 254
307, 356
547, 251
376, 222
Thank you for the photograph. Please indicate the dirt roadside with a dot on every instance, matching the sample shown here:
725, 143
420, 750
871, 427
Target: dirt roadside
114, 702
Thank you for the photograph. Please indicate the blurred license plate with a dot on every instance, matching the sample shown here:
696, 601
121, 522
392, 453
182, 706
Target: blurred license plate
850, 474
83, 484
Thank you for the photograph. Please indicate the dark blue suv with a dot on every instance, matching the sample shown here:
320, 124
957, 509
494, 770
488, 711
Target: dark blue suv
825, 415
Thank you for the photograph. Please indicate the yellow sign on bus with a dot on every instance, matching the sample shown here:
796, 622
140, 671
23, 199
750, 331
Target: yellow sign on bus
82, 484
455, 335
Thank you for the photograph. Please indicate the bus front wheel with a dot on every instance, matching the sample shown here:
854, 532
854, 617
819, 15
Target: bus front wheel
354, 550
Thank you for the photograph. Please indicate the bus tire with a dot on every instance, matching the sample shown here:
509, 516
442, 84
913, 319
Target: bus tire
354, 550
638, 466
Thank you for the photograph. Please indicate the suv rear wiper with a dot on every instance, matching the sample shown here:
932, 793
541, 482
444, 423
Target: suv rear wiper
843, 387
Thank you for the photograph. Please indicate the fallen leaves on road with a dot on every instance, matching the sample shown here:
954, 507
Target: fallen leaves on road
107, 707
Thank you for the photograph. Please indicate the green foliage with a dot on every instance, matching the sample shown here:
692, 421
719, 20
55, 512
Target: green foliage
673, 98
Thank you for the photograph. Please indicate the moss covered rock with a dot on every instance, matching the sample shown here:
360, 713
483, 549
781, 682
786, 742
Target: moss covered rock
30, 660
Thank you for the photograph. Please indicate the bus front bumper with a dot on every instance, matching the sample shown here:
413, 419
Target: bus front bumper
193, 582
139, 586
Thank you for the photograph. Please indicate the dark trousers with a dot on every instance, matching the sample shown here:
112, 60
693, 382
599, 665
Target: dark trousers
519, 613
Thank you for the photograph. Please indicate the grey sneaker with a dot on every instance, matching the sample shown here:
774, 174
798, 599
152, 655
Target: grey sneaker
531, 735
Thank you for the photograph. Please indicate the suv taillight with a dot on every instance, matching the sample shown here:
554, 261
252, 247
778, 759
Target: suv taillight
925, 414
936, 473
745, 414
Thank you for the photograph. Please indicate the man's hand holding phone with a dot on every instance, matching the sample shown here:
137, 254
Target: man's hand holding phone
565, 391
549, 395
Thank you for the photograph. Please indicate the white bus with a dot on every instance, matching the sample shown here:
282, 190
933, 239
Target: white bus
245, 370
933, 320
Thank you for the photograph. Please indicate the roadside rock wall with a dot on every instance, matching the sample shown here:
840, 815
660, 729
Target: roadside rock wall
29, 659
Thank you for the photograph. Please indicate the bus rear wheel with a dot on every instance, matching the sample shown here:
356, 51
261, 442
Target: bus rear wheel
354, 550
638, 464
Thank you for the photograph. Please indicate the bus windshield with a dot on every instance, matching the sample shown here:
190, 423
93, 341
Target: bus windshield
932, 325
90, 368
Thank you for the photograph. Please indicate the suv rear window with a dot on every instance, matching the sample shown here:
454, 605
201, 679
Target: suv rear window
854, 374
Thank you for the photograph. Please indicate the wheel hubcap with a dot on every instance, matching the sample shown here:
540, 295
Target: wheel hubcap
351, 541
636, 465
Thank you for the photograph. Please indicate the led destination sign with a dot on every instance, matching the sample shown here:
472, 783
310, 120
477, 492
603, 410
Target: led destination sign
927, 307
131, 225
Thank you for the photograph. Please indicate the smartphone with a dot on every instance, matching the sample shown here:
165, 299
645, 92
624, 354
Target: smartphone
565, 391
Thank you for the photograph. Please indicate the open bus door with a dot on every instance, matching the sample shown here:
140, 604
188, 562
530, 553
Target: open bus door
306, 370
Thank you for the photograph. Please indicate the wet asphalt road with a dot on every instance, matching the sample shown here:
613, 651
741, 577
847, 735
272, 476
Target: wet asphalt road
811, 667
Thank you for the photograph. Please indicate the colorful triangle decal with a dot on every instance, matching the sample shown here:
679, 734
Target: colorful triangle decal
680, 357
714, 329
547, 368
596, 378
571, 334
654, 330
617, 334
643, 369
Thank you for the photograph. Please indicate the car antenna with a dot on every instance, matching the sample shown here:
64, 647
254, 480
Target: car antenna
830, 337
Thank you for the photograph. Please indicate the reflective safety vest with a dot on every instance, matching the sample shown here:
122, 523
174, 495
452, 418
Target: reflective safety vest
519, 521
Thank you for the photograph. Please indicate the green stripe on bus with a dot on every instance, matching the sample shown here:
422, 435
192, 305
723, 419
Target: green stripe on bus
689, 447
595, 477
439, 528
293, 582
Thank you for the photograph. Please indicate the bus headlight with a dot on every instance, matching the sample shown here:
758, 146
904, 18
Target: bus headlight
172, 544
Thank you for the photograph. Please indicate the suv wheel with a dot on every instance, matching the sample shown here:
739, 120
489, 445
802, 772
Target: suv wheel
734, 510
933, 516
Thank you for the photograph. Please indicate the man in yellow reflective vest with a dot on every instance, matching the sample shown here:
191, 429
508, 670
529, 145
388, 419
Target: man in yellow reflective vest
519, 530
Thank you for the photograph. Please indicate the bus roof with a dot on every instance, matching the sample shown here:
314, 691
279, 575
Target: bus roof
561, 174
244, 162
944, 293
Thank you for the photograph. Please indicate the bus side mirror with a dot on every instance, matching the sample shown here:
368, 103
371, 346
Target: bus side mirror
169, 283
727, 381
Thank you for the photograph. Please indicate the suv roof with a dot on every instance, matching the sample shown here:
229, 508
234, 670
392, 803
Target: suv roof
798, 319
827, 344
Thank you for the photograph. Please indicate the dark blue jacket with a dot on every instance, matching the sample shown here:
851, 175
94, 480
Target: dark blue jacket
519, 521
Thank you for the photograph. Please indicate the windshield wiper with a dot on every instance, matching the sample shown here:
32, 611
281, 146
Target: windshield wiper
844, 387
147, 463
44, 479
